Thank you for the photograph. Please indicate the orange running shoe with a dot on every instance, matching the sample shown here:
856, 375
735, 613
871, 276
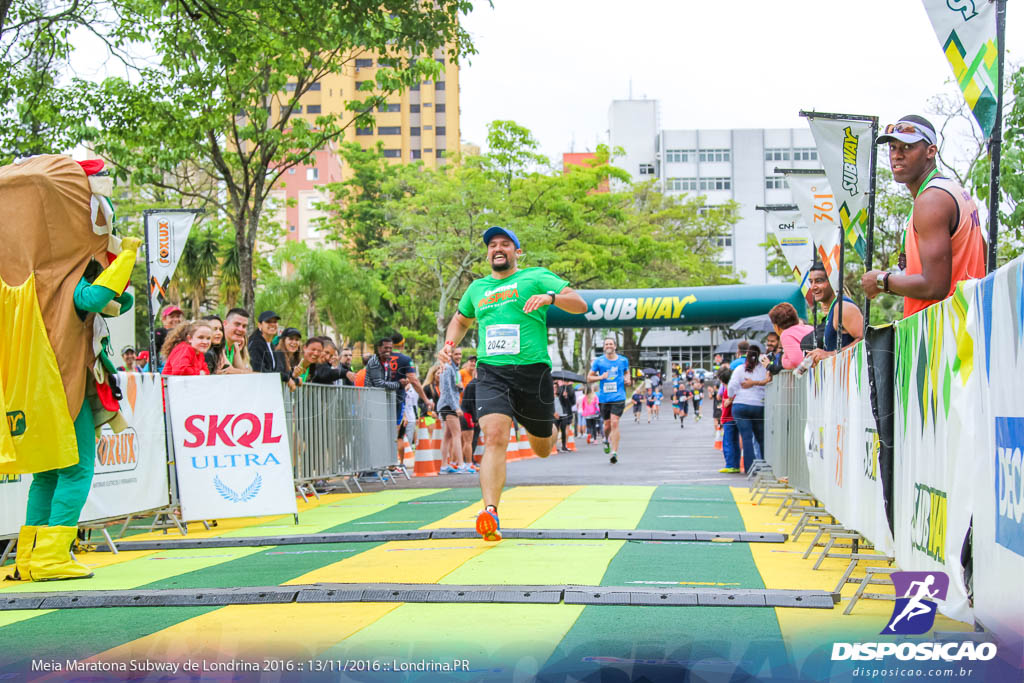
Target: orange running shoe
487, 525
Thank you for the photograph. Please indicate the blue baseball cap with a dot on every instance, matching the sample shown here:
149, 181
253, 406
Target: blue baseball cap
494, 231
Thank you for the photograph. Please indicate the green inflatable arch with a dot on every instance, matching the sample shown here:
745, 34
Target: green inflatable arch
676, 306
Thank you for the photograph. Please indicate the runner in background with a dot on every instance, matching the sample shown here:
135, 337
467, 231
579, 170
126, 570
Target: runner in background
513, 365
612, 372
638, 403
680, 404
698, 398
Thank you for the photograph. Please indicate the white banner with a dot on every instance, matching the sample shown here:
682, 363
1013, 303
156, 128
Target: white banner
996, 329
131, 467
813, 196
938, 424
966, 30
166, 234
843, 446
794, 237
844, 148
231, 454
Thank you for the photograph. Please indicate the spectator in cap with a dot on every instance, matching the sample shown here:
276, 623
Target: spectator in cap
261, 343
128, 356
170, 318
288, 355
142, 361
943, 242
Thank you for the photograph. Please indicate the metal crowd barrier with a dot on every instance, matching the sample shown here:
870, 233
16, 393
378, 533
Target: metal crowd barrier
338, 431
785, 418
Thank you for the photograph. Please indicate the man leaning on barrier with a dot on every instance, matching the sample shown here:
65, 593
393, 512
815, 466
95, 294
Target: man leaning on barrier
942, 243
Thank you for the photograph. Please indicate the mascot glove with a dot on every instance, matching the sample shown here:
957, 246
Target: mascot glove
116, 276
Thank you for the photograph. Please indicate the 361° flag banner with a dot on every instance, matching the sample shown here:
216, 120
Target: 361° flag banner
813, 196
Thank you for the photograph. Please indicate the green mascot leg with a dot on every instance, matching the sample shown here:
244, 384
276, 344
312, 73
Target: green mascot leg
57, 497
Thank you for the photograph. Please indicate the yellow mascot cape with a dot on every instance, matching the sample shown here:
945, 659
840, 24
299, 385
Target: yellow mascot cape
47, 239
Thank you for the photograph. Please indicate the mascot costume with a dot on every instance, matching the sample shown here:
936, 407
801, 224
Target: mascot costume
61, 270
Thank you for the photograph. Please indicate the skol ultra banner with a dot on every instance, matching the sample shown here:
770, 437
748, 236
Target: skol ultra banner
794, 238
843, 445
939, 419
966, 30
166, 234
996, 328
844, 147
231, 455
813, 196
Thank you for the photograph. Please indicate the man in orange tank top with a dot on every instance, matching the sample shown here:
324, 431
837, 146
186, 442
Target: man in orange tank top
943, 243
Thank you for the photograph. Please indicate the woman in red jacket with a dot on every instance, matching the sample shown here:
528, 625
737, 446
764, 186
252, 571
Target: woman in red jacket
186, 348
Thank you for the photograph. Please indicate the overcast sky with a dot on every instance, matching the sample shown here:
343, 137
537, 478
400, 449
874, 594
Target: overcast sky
554, 66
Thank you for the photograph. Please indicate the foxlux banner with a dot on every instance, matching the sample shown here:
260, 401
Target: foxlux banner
844, 147
996, 328
166, 234
231, 449
794, 238
966, 30
813, 196
843, 445
131, 466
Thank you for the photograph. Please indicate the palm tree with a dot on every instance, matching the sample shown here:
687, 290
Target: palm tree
199, 262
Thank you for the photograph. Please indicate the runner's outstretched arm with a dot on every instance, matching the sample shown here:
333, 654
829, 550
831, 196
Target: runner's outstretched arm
568, 300
457, 329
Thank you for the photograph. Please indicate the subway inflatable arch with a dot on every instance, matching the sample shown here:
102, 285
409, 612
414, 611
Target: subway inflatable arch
676, 306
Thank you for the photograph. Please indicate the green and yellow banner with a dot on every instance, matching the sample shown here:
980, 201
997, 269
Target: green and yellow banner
967, 34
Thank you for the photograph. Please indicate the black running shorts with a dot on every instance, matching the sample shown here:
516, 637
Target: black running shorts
523, 392
612, 408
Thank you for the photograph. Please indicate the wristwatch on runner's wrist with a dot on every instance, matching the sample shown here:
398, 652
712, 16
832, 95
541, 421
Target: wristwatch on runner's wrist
551, 293
880, 281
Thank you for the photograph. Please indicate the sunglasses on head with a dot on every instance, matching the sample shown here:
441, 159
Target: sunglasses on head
908, 128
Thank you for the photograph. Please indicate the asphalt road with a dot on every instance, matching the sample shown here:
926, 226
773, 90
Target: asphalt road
649, 454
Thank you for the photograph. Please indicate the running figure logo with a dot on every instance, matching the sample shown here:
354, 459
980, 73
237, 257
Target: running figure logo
914, 612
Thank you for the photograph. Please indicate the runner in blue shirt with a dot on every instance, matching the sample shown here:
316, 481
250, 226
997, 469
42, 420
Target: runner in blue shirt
612, 372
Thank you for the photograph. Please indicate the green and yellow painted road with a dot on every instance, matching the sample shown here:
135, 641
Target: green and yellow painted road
518, 639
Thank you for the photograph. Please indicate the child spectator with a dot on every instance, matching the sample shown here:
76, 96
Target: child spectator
185, 347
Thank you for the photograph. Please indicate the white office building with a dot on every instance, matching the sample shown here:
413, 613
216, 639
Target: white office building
722, 164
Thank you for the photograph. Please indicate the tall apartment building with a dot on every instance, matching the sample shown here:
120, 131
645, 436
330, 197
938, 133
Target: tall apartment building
722, 164
420, 124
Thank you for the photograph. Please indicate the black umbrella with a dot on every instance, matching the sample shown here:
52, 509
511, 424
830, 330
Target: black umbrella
754, 324
568, 376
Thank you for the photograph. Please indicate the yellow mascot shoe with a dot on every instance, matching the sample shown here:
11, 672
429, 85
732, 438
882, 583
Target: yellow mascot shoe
51, 557
26, 541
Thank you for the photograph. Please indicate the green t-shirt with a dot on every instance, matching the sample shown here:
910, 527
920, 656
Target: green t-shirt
507, 335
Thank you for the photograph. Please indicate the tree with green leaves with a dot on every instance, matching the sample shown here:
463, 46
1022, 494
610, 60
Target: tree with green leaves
323, 288
216, 120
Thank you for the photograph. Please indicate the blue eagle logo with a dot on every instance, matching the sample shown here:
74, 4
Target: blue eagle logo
228, 494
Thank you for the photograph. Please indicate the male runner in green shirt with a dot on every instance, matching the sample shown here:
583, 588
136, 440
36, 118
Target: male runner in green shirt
513, 366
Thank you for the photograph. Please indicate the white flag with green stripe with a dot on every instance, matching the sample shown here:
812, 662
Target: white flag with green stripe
966, 30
